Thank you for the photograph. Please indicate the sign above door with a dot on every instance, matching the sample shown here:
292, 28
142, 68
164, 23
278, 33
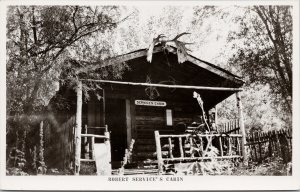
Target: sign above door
151, 103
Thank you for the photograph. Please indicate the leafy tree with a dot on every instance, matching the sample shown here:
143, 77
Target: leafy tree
42, 40
259, 48
266, 53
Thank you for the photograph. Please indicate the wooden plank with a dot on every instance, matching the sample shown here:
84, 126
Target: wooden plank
166, 86
180, 147
191, 146
128, 122
201, 145
229, 146
103, 158
221, 146
170, 148
92, 135
95, 127
242, 127
259, 147
93, 148
145, 148
87, 160
202, 135
149, 118
200, 158
103, 107
158, 152
78, 127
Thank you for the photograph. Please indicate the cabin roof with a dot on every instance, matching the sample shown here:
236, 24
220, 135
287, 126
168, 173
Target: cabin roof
212, 82
190, 58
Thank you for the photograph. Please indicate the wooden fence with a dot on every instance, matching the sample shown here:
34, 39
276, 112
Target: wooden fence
231, 126
270, 144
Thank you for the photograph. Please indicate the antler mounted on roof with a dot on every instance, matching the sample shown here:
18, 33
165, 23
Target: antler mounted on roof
181, 46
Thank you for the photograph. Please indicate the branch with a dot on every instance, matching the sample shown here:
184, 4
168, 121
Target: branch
73, 18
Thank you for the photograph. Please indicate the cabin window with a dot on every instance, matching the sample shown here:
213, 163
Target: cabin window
169, 117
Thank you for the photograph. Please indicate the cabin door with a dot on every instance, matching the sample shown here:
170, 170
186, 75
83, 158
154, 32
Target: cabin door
116, 121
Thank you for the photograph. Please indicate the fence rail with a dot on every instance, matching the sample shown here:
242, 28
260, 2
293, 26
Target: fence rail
270, 144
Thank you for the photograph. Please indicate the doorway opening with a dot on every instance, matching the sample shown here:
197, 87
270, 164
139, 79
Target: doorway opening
116, 121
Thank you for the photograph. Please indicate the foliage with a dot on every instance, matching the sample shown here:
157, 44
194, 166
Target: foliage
258, 47
212, 166
260, 113
16, 162
265, 55
41, 40
270, 167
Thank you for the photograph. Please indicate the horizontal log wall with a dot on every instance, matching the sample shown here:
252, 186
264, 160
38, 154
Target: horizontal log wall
149, 119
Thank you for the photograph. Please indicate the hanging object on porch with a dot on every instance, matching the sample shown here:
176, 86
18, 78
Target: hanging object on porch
181, 46
151, 91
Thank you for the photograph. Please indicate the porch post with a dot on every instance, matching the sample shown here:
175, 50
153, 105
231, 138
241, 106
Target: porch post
78, 127
242, 126
216, 114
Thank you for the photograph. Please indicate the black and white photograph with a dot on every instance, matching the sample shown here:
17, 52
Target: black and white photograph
163, 92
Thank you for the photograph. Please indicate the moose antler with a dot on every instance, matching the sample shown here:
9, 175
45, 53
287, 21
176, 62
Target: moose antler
181, 46
151, 47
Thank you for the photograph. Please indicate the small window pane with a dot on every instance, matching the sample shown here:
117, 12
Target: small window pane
169, 117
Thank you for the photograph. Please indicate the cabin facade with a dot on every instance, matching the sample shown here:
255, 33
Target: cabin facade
156, 96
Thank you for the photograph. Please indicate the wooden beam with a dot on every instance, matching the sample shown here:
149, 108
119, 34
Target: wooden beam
128, 122
242, 127
201, 135
200, 158
166, 86
158, 152
170, 147
216, 115
96, 136
103, 107
78, 127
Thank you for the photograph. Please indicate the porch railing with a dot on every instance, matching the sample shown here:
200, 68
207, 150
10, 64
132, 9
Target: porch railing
102, 161
195, 147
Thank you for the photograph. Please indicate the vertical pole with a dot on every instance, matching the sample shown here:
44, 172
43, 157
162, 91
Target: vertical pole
128, 122
216, 115
93, 148
78, 128
242, 127
170, 148
180, 147
158, 152
108, 148
191, 147
221, 146
104, 114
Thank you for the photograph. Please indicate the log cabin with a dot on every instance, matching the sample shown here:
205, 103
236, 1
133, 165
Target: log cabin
156, 96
